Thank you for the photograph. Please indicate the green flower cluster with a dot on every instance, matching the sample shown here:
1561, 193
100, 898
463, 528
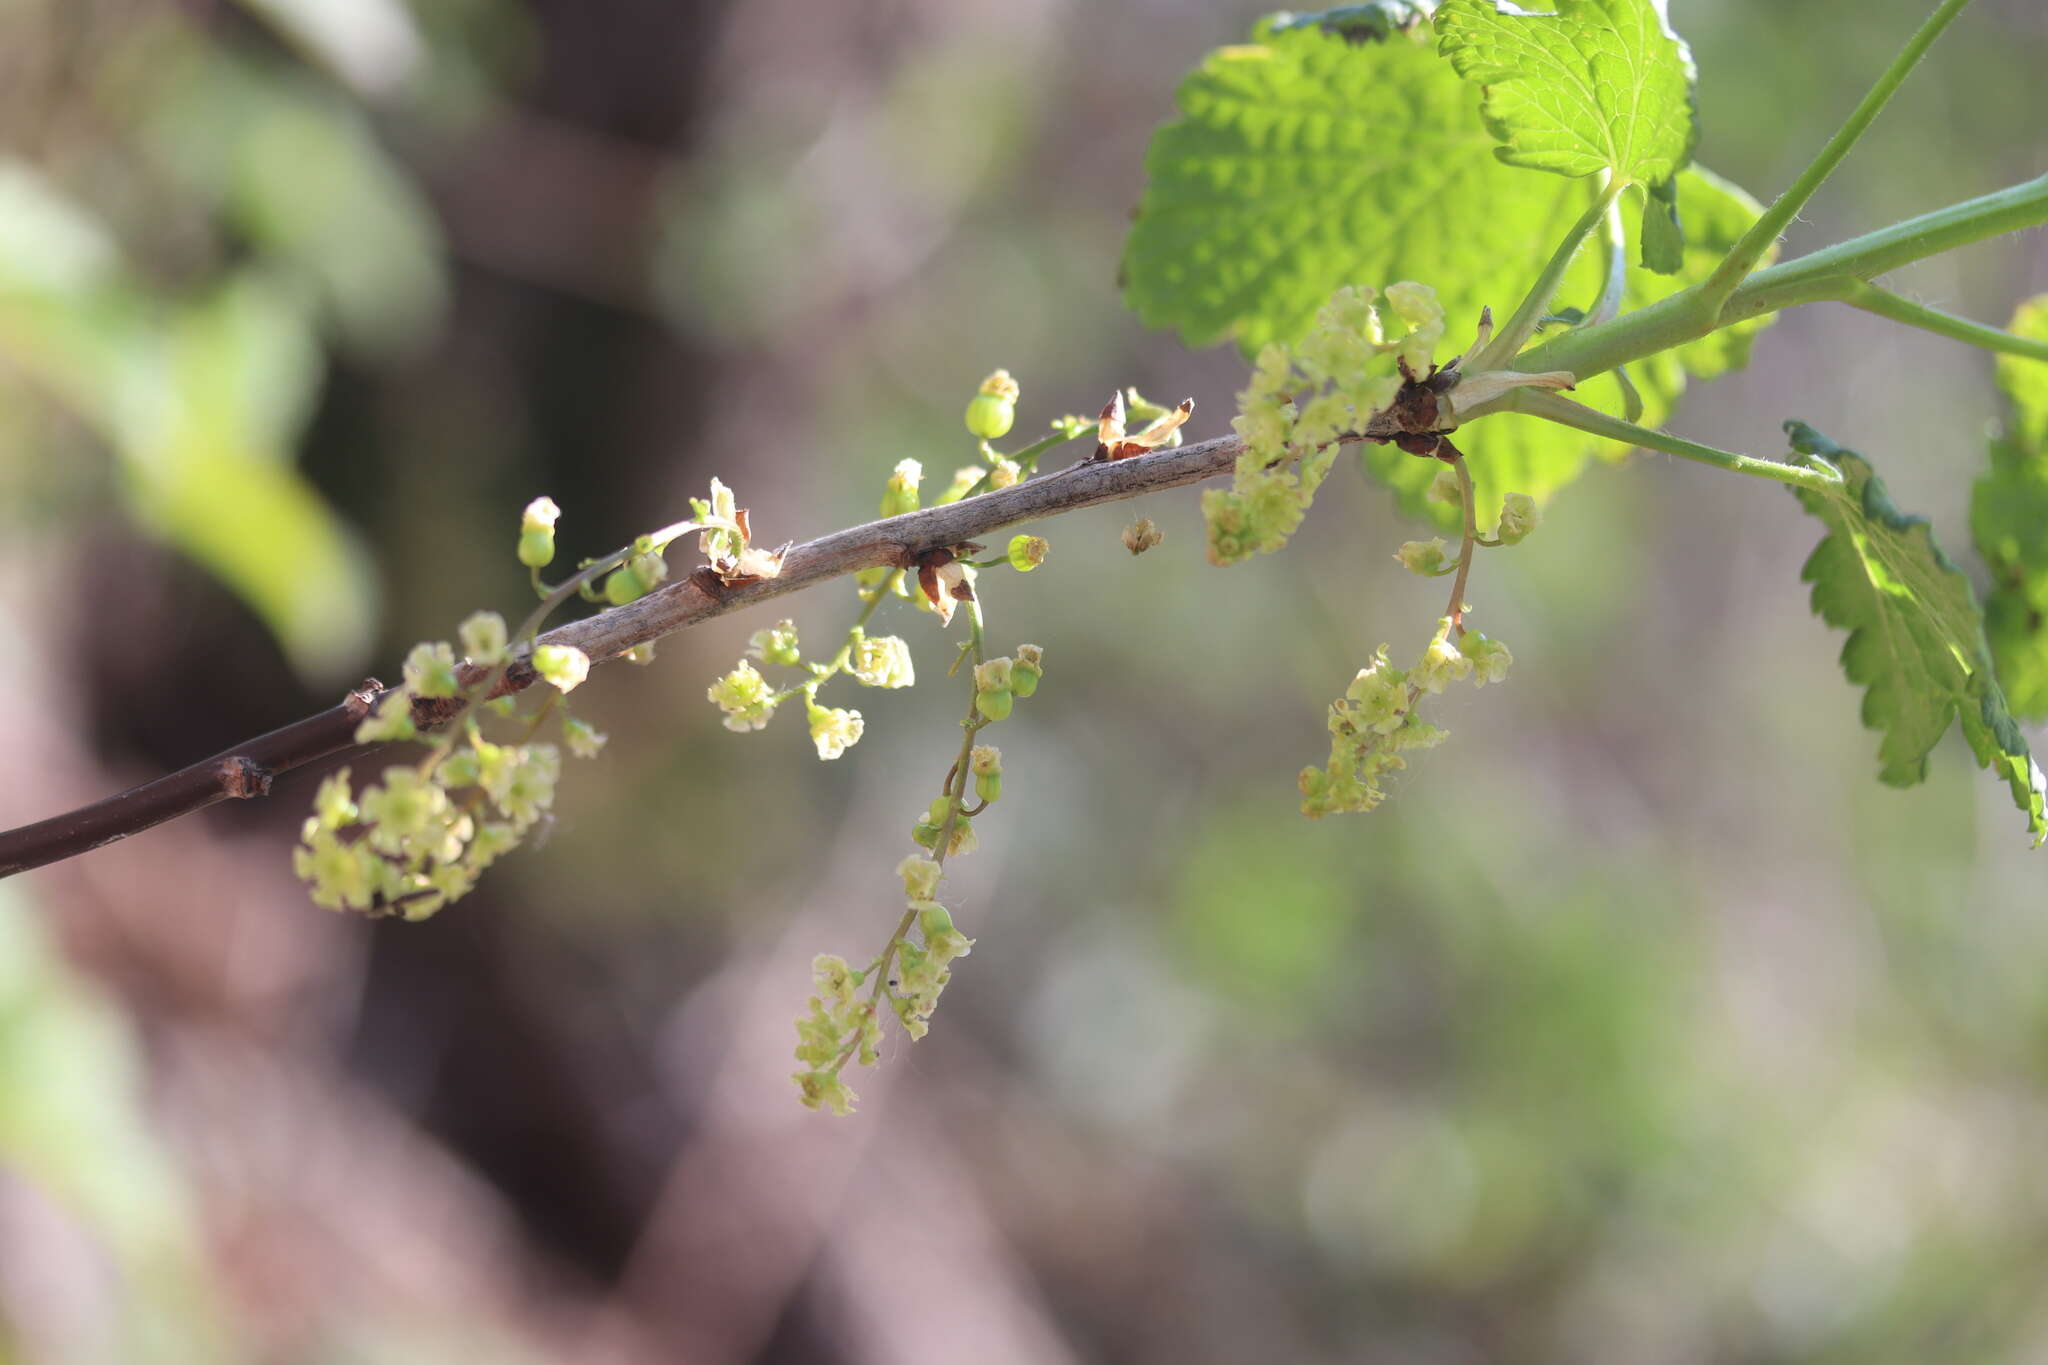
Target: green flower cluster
419, 839
1376, 722
915, 966
421, 836
840, 1027
749, 699
1301, 399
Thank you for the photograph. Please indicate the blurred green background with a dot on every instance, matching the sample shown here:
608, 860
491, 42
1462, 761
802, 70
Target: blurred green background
1642, 1024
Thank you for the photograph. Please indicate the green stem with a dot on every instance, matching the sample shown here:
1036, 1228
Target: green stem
954, 788
1825, 276
1522, 325
1026, 460
1614, 237
1562, 410
1755, 243
1886, 304
838, 663
1456, 610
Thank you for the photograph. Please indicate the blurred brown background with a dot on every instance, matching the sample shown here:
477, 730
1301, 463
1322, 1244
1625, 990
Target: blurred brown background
1642, 1025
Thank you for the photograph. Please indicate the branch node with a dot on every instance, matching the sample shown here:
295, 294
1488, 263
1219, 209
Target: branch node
242, 778
363, 699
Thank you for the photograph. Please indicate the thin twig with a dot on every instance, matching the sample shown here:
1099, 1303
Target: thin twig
247, 769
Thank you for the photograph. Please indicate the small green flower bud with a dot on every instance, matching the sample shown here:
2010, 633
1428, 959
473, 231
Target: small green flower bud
430, 670
582, 737
1425, 557
834, 731
920, 877
483, 637
1005, 474
622, 585
900, 495
988, 786
1490, 658
537, 533
745, 697
933, 920
1519, 515
776, 644
992, 687
882, 661
1028, 668
1446, 489
941, 807
642, 654
994, 409
1027, 553
563, 665
990, 417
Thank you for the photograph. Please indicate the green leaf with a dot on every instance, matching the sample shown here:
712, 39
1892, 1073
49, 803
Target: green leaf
1663, 234
2009, 522
1306, 162
1599, 85
1516, 454
1916, 639
203, 400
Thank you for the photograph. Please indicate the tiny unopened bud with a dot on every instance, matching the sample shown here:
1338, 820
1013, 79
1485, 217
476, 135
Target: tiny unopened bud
1027, 553
900, 495
994, 409
1027, 669
537, 533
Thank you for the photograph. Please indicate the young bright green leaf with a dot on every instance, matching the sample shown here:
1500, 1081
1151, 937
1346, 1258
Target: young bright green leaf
1599, 85
1514, 454
1663, 234
1305, 162
2009, 522
1916, 639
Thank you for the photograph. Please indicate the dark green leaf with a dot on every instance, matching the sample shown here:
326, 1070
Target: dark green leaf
1916, 639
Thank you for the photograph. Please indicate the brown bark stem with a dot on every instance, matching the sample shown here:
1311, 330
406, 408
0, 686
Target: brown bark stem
248, 769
